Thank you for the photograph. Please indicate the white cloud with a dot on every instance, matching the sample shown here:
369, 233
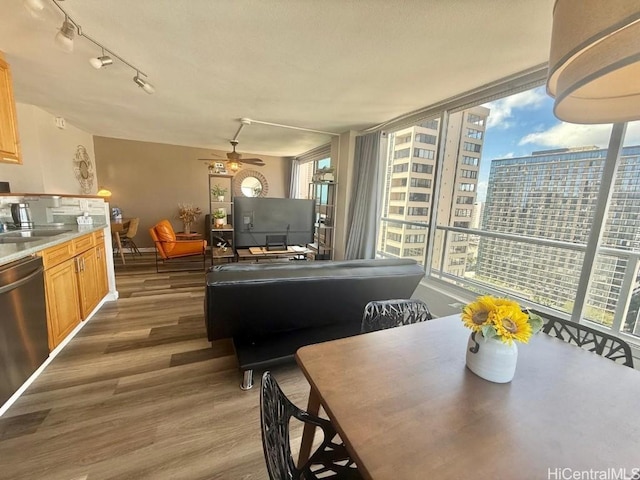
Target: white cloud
573, 135
502, 110
507, 155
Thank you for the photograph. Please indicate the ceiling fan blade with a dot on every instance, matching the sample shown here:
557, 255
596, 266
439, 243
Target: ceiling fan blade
254, 161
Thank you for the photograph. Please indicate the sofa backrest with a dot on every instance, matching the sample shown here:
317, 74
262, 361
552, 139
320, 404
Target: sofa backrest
252, 300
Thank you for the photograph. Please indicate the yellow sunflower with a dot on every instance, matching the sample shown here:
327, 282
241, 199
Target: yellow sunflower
477, 313
511, 324
505, 302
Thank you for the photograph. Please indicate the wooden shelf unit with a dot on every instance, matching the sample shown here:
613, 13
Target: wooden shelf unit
324, 193
226, 232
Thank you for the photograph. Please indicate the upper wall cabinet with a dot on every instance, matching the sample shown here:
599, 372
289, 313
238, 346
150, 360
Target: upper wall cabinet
9, 142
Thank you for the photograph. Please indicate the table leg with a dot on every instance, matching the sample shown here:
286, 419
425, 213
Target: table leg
119, 245
309, 431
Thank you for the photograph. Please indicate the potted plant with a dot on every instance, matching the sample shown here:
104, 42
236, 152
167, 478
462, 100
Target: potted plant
220, 218
495, 324
218, 191
188, 214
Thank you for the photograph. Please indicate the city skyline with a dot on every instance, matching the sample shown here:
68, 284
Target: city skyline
523, 123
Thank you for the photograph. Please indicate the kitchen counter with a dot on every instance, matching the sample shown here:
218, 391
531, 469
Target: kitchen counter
10, 252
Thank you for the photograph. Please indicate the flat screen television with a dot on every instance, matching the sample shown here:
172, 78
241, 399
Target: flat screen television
255, 218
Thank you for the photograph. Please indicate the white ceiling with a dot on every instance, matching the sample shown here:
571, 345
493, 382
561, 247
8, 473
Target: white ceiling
331, 65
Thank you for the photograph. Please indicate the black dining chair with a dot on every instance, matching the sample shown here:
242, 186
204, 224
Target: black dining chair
383, 314
329, 461
588, 338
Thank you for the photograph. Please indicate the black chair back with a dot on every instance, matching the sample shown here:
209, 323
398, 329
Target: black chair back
588, 338
329, 461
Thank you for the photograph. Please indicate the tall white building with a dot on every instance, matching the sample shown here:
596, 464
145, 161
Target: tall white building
552, 195
409, 186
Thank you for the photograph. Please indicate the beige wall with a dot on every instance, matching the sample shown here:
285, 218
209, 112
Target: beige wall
148, 180
47, 154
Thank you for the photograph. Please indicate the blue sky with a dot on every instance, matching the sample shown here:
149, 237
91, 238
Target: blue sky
524, 122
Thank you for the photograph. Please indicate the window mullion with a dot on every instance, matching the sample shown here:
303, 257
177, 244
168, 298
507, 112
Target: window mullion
597, 229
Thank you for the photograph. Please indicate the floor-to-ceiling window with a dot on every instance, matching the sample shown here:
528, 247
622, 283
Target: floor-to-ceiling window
518, 190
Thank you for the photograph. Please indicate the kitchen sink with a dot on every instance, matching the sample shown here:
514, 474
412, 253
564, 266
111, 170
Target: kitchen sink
37, 233
25, 236
5, 240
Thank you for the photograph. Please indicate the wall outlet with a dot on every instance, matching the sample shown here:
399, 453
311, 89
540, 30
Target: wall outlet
248, 220
61, 123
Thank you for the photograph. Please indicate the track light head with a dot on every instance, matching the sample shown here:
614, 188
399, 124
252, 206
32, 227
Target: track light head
143, 84
99, 62
64, 38
34, 7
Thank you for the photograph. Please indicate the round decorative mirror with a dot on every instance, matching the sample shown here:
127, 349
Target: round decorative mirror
249, 183
83, 169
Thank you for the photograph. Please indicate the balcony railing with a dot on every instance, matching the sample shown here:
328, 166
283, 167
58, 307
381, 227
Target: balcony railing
538, 272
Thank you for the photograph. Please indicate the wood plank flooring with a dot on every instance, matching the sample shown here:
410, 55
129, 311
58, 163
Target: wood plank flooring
140, 393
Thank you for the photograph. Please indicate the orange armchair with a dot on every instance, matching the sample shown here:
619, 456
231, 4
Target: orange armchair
168, 248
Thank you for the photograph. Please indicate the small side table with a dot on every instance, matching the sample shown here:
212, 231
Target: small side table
219, 254
188, 236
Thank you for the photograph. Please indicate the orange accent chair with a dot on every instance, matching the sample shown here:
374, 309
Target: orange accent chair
168, 248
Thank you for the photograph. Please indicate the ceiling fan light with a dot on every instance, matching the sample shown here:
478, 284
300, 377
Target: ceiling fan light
64, 38
143, 84
233, 166
99, 62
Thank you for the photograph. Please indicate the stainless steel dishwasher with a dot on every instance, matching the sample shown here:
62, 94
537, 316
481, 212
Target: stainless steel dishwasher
23, 323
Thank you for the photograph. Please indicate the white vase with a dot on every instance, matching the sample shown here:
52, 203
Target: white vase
491, 358
221, 198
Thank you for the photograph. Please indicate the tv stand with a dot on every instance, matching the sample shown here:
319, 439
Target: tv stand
261, 253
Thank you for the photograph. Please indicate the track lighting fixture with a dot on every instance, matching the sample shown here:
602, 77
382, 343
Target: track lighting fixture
143, 84
102, 61
64, 38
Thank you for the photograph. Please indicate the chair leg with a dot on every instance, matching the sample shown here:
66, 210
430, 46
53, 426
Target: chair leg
135, 247
247, 380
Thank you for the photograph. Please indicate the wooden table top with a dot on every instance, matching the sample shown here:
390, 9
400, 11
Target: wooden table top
407, 408
117, 227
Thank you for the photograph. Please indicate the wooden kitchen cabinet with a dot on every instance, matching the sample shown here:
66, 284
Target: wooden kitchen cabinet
75, 283
88, 282
103, 279
63, 306
9, 140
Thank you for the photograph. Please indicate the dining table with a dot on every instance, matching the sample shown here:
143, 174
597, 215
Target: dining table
406, 407
118, 227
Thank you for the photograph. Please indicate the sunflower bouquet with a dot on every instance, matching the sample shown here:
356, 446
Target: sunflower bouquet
501, 318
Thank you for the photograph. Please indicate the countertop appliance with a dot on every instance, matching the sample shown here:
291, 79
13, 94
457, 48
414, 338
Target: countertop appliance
21, 215
23, 323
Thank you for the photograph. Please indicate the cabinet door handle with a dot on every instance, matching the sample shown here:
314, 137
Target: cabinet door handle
98, 253
83, 264
77, 262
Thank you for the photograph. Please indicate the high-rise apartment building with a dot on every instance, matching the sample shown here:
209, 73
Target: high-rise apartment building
552, 195
410, 181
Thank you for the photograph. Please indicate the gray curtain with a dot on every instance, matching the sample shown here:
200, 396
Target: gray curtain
295, 179
363, 210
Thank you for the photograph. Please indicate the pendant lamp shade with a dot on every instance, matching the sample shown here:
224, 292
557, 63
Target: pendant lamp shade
594, 63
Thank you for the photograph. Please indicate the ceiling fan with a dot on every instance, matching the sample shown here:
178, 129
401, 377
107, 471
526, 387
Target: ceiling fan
235, 160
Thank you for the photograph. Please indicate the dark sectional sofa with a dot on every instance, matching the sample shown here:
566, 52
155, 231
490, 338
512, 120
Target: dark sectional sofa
271, 310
